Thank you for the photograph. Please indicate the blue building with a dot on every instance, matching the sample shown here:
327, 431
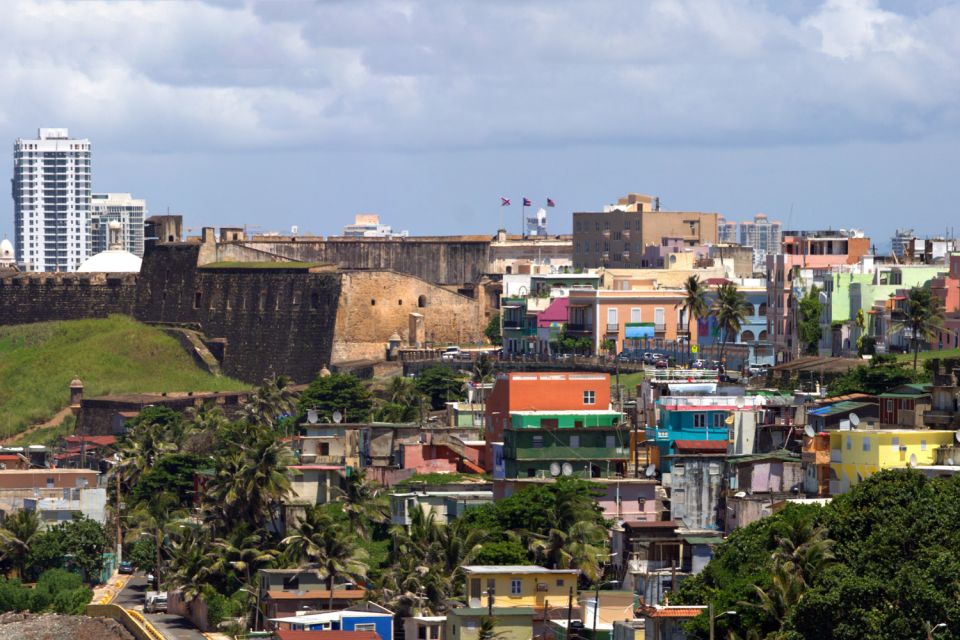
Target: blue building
379, 621
691, 418
753, 331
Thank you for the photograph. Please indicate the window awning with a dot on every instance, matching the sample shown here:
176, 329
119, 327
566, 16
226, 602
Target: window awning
639, 330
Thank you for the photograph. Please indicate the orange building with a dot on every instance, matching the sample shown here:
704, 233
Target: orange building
541, 391
627, 315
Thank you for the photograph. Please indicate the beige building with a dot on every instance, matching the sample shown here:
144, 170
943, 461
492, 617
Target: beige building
619, 235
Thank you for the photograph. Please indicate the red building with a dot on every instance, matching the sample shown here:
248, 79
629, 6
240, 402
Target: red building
541, 391
947, 288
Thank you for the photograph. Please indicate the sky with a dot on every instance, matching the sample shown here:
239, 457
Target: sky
819, 113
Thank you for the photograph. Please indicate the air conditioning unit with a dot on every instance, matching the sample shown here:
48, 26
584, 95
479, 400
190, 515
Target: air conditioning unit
541, 586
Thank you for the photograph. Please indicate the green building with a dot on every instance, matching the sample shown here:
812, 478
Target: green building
544, 444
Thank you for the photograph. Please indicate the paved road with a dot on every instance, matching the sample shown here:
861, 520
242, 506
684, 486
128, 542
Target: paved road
172, 627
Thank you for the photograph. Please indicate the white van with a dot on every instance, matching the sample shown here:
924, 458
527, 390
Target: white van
156, 602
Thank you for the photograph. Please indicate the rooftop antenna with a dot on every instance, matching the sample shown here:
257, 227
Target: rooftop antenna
809, 432
650, 471
854, 419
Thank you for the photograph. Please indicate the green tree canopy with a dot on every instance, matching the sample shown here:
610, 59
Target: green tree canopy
173, 473
77, 545
441, 385
492, 331
337, 392
808, 324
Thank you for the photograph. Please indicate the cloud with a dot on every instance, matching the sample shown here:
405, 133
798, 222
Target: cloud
420, 75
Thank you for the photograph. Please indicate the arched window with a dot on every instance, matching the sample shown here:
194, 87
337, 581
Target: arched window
763, 309
763, 336
422, 301
746, 336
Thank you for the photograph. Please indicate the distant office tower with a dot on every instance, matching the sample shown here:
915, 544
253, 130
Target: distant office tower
367, 225
51, 201
900, 241
726, 231
761, 234
130, 212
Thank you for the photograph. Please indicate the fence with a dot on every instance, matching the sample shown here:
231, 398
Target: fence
132, 621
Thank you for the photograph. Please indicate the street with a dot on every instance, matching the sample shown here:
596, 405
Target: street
172, 627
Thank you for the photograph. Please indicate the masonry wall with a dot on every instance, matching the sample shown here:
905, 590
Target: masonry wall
375, 304
449, 261
40, 297
275, 321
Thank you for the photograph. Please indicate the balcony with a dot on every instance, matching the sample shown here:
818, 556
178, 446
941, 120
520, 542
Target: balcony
583, 453
576, 327
512, 325
613, 328
660, 327
683, 327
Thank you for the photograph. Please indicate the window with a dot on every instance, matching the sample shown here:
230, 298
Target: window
889, 406
434, 632
515, 587
923, 445
549, 423
538, 442
559, 582
611, 316
866, 444
849, 442
291, 583
611, 442
717, 420
365, 626
635, 315
422, 301
700, 420
574, 442
421, 633
589, 397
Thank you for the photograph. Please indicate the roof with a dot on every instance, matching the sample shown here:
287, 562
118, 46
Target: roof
673, 612
820, 363
286, 634
498, 612
700, 446
331, 616
338, 594
111, 261
910, 390
838, 408
513, 568
651, 524
100, 441
702, 539
555, 312
780, 454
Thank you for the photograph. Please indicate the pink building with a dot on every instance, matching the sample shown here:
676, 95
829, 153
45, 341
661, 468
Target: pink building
947, 288
813, 250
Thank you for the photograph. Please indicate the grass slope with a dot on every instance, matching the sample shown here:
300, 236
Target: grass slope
112, 355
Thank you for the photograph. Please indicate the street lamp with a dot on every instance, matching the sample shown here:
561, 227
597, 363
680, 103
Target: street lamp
713, 619
596, 604
933, 630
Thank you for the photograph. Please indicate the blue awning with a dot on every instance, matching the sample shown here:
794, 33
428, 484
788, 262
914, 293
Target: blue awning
639, 330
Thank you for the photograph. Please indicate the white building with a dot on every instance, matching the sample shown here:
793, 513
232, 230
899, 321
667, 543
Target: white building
51, 201
115, 259
367, 225
130, 212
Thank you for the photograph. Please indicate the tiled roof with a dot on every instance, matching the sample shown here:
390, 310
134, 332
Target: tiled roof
286, 634
697, 446
674, 612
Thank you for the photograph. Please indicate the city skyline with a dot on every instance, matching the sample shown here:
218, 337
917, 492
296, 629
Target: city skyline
816, 113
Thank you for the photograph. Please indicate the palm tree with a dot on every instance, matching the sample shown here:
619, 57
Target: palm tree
578, 548
488, 629
190, 560
364, 503
152, 519
328, 547
242, 552
730, 309
922, 317
694, 304
401, 401
16, 536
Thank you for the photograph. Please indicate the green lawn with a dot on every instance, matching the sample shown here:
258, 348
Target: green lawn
111, 355
928, 355
629, 381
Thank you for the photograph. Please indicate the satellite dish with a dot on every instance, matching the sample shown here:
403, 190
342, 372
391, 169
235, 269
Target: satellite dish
567, 469
809, 432
740, 402
740, 494
854, 419
555, 469
950, 462
337, 417
956, 436
913, 459
650, 471
729, 419
312, 416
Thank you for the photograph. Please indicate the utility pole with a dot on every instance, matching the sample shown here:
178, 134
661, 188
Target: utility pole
713, 633
116, 477
569, 613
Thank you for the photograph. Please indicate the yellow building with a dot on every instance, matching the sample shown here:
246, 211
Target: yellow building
856, 455
516, 595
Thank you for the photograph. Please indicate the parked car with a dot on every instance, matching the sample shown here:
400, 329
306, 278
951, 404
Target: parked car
649, 358
758, 369
155, 602
125, 567
698, 364
662, 364
451, 353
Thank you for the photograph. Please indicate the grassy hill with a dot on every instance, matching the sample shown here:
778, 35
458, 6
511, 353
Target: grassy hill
112, 355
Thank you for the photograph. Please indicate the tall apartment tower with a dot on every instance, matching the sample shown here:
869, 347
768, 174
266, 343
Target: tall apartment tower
51, 201
726, 231
130, 212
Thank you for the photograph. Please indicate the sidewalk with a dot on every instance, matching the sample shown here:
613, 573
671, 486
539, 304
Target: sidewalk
105, 593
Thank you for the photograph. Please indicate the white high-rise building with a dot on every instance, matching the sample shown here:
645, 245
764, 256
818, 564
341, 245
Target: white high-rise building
51, 201
130, 212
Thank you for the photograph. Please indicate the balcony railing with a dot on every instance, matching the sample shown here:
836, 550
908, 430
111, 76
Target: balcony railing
579, 327
683, 327
660, 327
613, 328
512, 324
583, 453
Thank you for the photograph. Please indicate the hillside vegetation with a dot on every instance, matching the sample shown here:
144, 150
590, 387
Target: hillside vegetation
112, 355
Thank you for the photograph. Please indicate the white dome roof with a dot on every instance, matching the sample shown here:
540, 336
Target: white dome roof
111, 261
6, 248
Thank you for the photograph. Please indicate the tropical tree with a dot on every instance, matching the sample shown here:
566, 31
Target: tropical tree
16, 536
921, 318
731, 309
338, 392
364, 503
581, 547
808, 323
440, 385
492, 330
488, 629
273, 400
241, 555
694, 305
402, 402
327, 546
152, 519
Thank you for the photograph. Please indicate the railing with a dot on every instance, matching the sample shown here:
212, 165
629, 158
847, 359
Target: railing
132, 621
579, 327
613, 328
512, 325
584, 453
725, 403
659, 327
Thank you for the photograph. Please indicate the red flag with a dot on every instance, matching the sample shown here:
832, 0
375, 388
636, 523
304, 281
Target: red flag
551, 203
527, 203
504, 202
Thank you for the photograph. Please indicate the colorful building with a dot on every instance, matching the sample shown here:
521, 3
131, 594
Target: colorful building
541, 392
856, 455
626, 317
347, 620
583, 443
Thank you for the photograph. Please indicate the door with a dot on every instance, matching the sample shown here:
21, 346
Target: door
475, 592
